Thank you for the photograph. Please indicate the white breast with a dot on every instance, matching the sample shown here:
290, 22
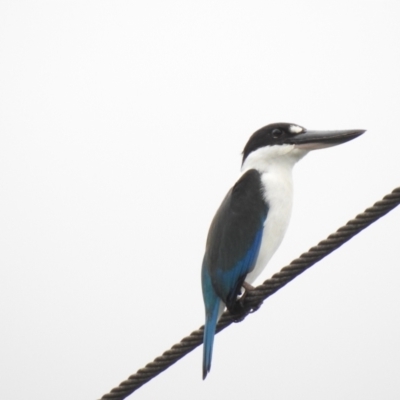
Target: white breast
279, 196
275, 166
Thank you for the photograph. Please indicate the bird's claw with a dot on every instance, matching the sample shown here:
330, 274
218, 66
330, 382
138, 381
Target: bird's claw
239, 311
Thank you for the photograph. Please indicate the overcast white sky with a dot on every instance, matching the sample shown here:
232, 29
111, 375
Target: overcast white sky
121, 128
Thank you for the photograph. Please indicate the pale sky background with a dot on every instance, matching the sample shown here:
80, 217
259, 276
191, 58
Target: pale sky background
121, 128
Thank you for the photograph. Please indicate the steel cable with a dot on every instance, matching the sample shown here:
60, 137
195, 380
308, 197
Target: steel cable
255, 297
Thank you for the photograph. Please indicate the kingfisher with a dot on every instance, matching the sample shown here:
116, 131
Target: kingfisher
252, 219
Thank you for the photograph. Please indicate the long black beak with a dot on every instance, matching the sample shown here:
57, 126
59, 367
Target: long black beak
312, 140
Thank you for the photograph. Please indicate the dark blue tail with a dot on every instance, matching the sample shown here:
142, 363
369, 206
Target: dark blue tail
209, 332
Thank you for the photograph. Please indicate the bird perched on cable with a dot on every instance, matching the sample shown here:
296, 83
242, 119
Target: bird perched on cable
252, 219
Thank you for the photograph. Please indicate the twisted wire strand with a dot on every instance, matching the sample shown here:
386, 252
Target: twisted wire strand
255, 297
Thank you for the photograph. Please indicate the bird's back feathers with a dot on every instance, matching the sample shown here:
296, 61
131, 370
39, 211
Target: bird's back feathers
232, 248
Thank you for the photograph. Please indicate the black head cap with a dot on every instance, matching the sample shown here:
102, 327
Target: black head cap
270, 135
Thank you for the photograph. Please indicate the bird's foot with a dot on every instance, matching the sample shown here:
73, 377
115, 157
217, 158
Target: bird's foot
247, 287
239, 311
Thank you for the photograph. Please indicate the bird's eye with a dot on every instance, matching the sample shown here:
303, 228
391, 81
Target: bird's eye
277, 133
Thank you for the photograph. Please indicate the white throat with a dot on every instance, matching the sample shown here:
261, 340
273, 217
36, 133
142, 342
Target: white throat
275, 164
265, 158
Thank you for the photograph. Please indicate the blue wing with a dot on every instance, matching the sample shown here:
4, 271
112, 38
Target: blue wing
232, 249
